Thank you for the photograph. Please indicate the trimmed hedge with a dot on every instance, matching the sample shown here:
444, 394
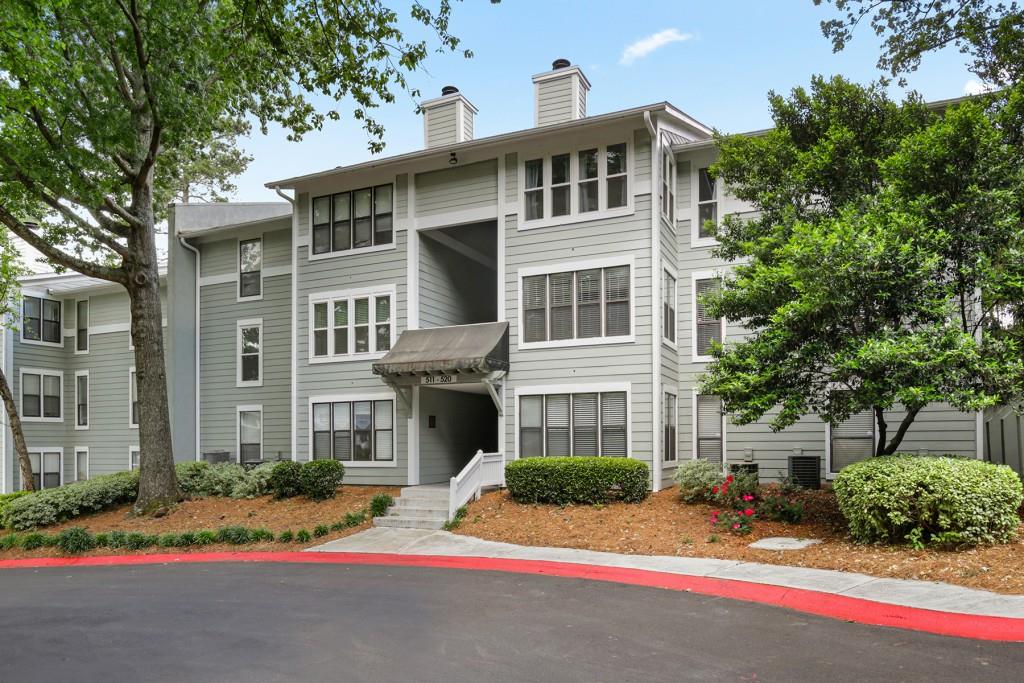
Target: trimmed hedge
929, 500
320, 479
585, 480
50, 506
284, 479
223, 479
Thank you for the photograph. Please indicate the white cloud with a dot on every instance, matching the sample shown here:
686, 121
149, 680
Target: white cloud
649, 44
973, 87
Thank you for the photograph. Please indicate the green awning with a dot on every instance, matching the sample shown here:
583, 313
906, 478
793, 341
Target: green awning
458, 349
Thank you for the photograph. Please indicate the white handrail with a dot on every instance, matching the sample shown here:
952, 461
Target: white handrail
484, 469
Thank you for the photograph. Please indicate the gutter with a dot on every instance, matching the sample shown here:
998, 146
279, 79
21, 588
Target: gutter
294, 321
656, 408
184, 243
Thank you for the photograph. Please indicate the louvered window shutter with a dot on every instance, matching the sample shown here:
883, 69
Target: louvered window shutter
584, 424
616, 296
556, 417
613, 424
535, 295
853, 440
709, 428
561, 295
588, 303
709, 329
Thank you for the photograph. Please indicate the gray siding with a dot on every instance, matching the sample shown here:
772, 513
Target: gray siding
442, 125
555, 101
448, 295
472, 186
464, 423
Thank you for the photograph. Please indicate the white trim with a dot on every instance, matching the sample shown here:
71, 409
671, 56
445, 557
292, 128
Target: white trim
696, 241
979, 435
559, 73
40, 451
88, 400
393, 244
293, 408
239, 326
238, 268
673, 390
352, 398
693, 430
329, 297
252, 408
575, 266
668, 158
225, 278
829, 474
109, 329
654, 130
21, 317
131, 372
674, 274
579, 388
42, 372
451, 218
694, 277
412, 248
77, 450
132, 450
347, 252
462, 248
221, 279
88, 328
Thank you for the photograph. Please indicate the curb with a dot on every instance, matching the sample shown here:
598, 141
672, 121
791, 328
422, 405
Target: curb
845, 608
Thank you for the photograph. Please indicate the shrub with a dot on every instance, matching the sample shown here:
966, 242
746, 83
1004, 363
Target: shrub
117, 539
206, 537
922, 500
51, 540
223, 479
192, 477
75, 540
256, 482
355, 518
453, 523
285, 536
262, 535
380, 504
186, 538
695, 479
138, 541
737, 492
235, 535
50, 506
102, 539
338, 526
320, 479
779, 506
321, 530
576, 480
284, 479
8, 541
33, 540
6, 498
739, 522
168, 540
303, 536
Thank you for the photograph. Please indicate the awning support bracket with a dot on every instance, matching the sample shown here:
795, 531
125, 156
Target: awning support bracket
489, 382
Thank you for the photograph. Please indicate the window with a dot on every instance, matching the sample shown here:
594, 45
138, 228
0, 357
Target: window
82, 399
671, 424
562, 424
82, 326
348, 325
707, 203
250, 268
592, 303
709, 428
357, 431
576, 183
41, 395
250, 433
851, 441
46, 472
133, 399
668, 307
250, 353
709, 331
81, 464
134, 458
41, 320
353, 220
668, 186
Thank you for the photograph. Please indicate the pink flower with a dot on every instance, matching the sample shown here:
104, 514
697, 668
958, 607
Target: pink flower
736, 525
748, 512
747, 497
714, 489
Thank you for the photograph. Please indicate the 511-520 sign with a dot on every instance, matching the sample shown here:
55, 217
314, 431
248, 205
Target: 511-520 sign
438, 379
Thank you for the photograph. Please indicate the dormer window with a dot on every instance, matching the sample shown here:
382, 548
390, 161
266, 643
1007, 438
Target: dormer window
576, 185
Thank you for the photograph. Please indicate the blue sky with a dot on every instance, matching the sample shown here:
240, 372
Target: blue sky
716, 61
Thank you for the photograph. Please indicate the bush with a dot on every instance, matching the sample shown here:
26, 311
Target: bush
286, 536
50, 506
929, 500
9, 541
167, 540
584, 480
740, 522
321, 530
186, 538
192, 477
117, 539
206, 537
695, 479
235, 535
284, 479
780, 506
380, 504
224, 479
261, 535
139, 541
302, 536
337, 526
355, 518
33, 540
256, 482
738, 491
75, 540
102, 539
6, 498
320, 479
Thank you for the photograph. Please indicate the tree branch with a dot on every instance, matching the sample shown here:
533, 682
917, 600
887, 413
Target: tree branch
897, 438
59, 256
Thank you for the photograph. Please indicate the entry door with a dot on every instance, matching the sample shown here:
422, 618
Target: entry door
852, 440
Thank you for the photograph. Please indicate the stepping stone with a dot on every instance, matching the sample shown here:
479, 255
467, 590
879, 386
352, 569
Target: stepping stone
784, 543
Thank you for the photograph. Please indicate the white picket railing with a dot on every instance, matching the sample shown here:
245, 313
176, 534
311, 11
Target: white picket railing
484, 469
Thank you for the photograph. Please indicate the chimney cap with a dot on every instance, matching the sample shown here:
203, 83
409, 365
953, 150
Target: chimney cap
448, 90
560, 63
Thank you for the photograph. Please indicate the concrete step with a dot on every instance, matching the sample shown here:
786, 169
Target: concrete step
428, 491
437, 503
403, 522
416, 511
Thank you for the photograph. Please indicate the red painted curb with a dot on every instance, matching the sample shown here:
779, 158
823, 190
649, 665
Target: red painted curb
857, 610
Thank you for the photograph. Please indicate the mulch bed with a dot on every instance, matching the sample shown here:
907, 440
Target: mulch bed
664, 525
216, 512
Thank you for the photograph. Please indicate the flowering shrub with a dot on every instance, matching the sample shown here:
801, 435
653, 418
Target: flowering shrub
695, 479
778, 506
740, 522
738, 490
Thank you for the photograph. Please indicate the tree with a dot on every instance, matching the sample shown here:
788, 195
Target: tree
877, 227
990, 34
103, 101
205, 172
10, 270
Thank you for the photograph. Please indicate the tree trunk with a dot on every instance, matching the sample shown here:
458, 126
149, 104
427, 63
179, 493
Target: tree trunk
27, 480
158, 483
888, 448
881, 426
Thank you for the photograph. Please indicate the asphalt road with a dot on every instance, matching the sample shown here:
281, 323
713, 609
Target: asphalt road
286, 622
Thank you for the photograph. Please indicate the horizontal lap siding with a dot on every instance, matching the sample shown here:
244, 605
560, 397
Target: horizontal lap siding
221, 257
473, 186
554, 101
442, 125
447, 294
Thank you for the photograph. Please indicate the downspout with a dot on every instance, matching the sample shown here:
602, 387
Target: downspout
294, 322
656, 408
184, 243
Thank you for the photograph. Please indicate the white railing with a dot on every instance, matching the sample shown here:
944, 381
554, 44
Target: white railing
484, 469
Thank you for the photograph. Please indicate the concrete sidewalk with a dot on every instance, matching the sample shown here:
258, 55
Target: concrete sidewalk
928, 595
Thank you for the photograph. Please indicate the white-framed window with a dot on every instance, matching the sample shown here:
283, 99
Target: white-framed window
709, 433
707, 330
47, 469
134, 457
670, 427
81, 399
668, 187
133, 399
250, 433
357, 430
579, 420
707, 191
351, 325
575, 184
249, 357
42, 395
580, 303
250, 269
81, 463
669, 305
850, 441
82, 326
351, 221
41, 321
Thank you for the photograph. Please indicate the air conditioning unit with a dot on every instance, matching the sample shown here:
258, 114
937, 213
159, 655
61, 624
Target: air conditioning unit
748, 467
805, 470
216, 457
